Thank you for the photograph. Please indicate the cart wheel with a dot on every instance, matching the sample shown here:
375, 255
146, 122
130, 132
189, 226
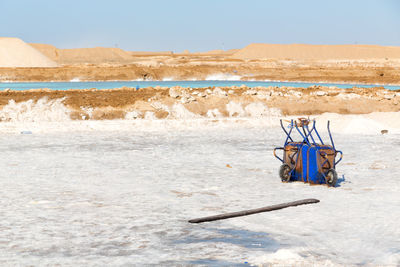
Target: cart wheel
331, 177
284, 172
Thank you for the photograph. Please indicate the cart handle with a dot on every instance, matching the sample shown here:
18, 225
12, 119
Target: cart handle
341, 156
276, 156
303, 136
288, 134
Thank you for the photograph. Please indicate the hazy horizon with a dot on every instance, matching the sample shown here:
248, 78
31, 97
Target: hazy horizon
200, 26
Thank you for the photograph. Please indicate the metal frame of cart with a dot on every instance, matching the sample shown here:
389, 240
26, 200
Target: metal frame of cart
308, 160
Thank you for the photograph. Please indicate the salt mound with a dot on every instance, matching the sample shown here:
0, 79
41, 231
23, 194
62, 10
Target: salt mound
316, 52
178, 111
16, 53
35, 111
253, 110
372, 123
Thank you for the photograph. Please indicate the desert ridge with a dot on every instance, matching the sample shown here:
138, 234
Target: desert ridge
16, 53
367, 64
317, 52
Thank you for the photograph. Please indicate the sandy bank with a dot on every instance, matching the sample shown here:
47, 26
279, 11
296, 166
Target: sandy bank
317, 52
309, 63
162, 102
201, 69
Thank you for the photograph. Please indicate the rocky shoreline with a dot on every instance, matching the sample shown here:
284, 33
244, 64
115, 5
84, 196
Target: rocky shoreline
160, 102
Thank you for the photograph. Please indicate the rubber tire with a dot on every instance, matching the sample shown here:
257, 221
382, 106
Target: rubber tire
331, 178
284, 172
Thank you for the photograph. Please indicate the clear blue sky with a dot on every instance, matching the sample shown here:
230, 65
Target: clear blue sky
200, 25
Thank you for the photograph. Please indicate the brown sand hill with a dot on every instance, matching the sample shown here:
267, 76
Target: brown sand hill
96, 55
49, 51
219, 52
149, 53
16, 53
317, 52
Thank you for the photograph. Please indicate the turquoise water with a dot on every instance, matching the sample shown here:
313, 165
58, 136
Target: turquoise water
20, 86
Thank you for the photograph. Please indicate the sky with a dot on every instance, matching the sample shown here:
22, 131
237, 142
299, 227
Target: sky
199, 25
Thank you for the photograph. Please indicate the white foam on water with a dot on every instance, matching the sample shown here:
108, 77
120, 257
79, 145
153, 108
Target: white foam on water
223, 77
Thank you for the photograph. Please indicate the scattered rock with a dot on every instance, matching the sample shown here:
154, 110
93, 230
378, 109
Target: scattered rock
263, 95
133, 115
214, 113
185, 100
296, 94
173, 93
218, 91
384, 131
159, 106
321, 93
277, 93
348, 96
251, 92
389, 97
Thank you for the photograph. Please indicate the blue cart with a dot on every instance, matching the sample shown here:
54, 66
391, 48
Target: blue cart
307, 160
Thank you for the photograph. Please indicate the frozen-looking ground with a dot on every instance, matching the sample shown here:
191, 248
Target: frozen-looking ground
120, 193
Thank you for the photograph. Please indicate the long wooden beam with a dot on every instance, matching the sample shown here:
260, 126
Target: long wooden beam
253, 211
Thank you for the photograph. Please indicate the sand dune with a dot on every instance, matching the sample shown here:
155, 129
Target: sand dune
16, 53
297, 52
149, 53
317, 52
49, 51
96, 55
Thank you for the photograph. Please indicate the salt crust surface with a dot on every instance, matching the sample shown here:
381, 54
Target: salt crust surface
120, 192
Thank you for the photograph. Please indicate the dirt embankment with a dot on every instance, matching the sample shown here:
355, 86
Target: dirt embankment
115, 103
310, 63
187, 71
317, 52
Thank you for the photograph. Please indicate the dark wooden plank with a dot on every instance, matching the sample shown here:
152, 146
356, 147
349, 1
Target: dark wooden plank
253, 211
